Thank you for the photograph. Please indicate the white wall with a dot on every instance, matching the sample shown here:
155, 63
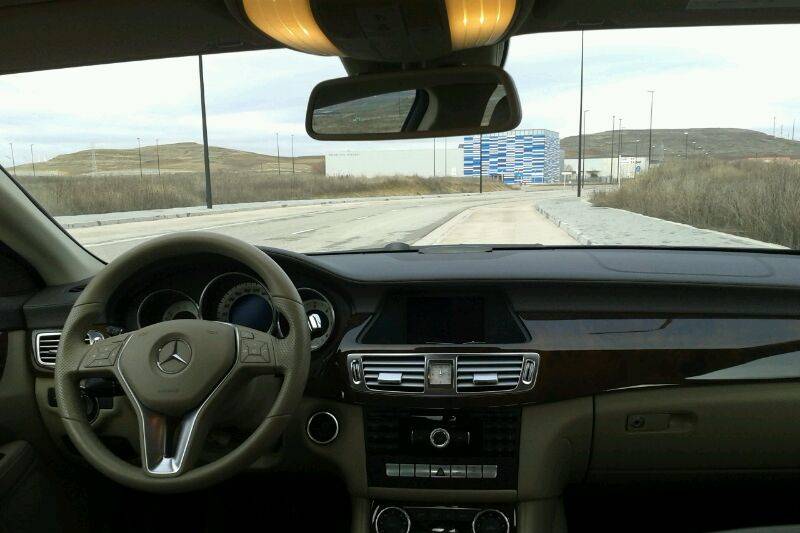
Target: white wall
413, 162
602, 165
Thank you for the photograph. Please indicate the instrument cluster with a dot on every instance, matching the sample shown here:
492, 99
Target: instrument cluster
238, 298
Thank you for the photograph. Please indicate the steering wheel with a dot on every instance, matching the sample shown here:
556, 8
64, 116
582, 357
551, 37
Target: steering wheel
177, 373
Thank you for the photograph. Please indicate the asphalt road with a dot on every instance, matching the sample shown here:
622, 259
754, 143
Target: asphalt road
497, 218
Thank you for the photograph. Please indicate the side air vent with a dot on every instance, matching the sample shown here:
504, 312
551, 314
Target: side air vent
394, 373
45, 345
488, 373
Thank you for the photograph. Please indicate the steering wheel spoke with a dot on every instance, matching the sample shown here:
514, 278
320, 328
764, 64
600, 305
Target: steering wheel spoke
169, 445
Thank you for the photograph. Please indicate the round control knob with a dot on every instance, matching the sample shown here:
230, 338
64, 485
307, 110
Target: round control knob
440, 438
322, 427
392, 520
490, 521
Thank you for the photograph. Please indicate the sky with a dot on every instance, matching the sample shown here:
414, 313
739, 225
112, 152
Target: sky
738, 77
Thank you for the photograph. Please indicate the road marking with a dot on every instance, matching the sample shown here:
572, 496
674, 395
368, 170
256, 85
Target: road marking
361, 218
304, 231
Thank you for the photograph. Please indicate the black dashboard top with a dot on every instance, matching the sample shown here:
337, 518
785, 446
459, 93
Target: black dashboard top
597, 279
612, 264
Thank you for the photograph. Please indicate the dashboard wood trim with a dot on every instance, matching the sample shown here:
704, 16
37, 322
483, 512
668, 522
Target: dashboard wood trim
576, 361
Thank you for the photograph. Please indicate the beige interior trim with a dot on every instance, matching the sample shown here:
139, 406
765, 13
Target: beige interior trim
713, 428
555, 442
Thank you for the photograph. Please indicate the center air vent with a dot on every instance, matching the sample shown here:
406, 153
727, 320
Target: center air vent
394, 373
488, 373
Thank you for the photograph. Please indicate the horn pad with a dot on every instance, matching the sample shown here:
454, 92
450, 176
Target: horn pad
172, 367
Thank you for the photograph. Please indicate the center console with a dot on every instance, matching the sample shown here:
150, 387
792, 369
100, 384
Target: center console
442, 449
437, 350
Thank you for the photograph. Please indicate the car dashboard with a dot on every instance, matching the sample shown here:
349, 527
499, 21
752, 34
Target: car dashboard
472, 380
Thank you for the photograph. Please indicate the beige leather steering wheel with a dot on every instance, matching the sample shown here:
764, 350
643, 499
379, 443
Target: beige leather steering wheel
176, 373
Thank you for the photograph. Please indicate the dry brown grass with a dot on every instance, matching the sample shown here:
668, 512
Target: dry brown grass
748, 198
82, 195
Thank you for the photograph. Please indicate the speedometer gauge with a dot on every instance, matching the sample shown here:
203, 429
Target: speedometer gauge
320, 315
247, 304
238, 298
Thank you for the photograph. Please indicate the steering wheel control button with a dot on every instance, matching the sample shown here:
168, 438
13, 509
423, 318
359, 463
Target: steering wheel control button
422, 470
322, 427
253, 351
440, 471
459, 471
104, 355
489, 471
392, 470
440, 438
474, 471
174, 356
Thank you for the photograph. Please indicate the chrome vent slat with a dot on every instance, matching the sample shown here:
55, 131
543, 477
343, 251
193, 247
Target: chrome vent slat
505, 371
411, 369
472, 373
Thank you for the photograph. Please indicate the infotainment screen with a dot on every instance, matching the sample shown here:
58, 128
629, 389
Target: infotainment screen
454, 320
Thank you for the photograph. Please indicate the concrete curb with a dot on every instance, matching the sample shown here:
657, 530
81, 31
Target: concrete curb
584, 239
575, 233
86, 221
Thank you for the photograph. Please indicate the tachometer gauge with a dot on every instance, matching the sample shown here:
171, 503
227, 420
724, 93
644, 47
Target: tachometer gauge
181, 310
320, 314
238, 298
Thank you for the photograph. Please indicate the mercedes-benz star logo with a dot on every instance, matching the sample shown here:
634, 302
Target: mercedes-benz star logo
174, 356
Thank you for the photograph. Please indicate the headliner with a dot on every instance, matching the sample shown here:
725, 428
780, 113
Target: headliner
46, 34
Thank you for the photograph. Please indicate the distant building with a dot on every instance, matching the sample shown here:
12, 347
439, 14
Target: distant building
520, 157
605, 167
420, 162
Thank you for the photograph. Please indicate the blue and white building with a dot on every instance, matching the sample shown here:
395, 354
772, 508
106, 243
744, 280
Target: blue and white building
520, 157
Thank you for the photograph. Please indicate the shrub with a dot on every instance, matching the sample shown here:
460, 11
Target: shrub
755, 199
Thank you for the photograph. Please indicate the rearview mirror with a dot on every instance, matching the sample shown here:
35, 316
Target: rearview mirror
414, 104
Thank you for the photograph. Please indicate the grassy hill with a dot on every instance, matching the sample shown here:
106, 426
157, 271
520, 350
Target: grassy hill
722, 143
175, 158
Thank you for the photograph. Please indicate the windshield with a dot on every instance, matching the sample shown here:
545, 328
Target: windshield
688, 140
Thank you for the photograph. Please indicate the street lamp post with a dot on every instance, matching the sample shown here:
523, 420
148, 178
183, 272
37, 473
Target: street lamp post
582, 155
291, 138
580, 124
203, 117
13, 163
141, 172
619, 154
33, 163
686, 136
158, 160
613, 123
650, 141
480, 162
278, 150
